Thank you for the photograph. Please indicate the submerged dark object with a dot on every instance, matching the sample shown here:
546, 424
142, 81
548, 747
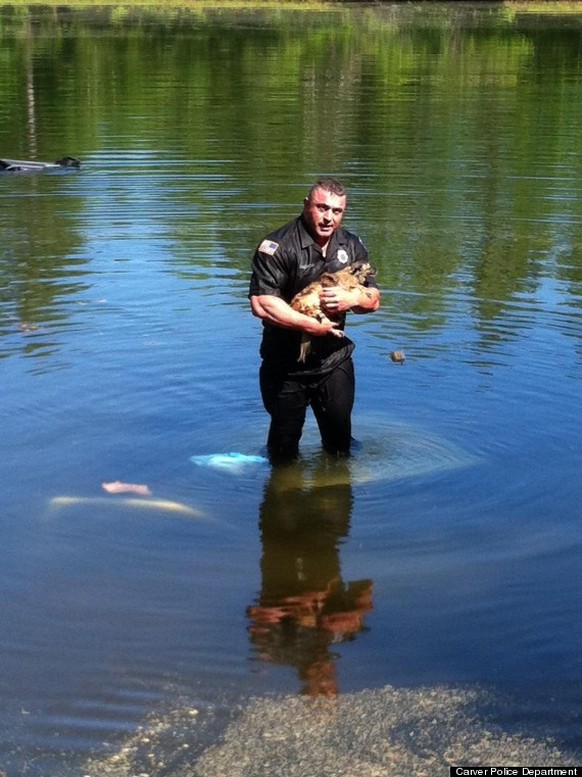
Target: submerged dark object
24, 166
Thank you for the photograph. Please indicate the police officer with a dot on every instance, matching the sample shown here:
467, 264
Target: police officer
285, 262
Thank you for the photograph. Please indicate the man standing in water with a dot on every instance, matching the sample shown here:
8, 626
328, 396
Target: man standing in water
285, 262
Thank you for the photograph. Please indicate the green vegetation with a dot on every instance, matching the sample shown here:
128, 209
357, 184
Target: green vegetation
546, 7
553, 7
440, 122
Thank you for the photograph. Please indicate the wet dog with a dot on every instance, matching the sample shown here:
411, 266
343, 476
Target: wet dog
308, 300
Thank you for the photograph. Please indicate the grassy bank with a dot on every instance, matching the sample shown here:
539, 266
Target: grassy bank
554, 7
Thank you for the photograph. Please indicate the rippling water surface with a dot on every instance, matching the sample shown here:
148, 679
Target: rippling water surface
447, 550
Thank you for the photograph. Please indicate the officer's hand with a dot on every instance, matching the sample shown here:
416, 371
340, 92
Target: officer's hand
336, 300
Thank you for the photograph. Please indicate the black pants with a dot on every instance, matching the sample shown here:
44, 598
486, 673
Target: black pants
286, 400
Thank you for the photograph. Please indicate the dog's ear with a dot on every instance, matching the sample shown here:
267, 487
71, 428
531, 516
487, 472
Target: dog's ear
367, 269
359, 266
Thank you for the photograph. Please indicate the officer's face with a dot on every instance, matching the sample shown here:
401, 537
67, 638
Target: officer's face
323, 214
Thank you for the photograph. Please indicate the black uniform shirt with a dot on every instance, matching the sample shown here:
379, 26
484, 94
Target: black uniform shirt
287, 261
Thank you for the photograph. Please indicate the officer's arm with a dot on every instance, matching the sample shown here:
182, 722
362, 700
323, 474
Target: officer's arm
362, 299
367, 299
276, 311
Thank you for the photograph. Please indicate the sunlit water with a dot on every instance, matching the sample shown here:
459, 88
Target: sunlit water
447, 550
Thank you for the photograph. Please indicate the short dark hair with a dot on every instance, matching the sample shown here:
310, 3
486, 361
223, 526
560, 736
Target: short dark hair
331, 185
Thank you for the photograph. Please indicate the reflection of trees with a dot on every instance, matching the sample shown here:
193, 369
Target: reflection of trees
304, 607
30, 97
36, 271
38, 235
409, 105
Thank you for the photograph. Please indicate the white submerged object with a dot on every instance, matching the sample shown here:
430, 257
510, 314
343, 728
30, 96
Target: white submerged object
235, 463
161, 505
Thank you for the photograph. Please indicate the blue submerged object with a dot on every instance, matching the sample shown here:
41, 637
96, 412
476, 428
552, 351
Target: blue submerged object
235, 463
28, 166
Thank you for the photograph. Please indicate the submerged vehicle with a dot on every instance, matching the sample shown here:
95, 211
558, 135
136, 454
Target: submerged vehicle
29, 166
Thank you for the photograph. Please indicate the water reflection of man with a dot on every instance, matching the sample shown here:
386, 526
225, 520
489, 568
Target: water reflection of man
304, 606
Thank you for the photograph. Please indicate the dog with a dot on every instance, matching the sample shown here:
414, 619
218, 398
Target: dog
308, 300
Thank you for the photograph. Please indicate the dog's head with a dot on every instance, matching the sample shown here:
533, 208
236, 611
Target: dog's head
362, 270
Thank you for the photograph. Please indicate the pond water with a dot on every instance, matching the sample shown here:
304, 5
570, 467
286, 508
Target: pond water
446, 552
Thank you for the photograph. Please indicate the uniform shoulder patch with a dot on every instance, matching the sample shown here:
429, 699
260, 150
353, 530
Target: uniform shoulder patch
268, 247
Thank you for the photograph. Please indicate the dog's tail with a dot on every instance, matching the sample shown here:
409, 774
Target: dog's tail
304, 348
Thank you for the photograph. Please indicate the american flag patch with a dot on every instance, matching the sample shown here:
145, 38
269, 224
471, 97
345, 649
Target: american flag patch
268, 247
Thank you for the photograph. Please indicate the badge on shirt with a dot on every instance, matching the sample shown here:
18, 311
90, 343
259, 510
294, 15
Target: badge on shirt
268, 247
342, 256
